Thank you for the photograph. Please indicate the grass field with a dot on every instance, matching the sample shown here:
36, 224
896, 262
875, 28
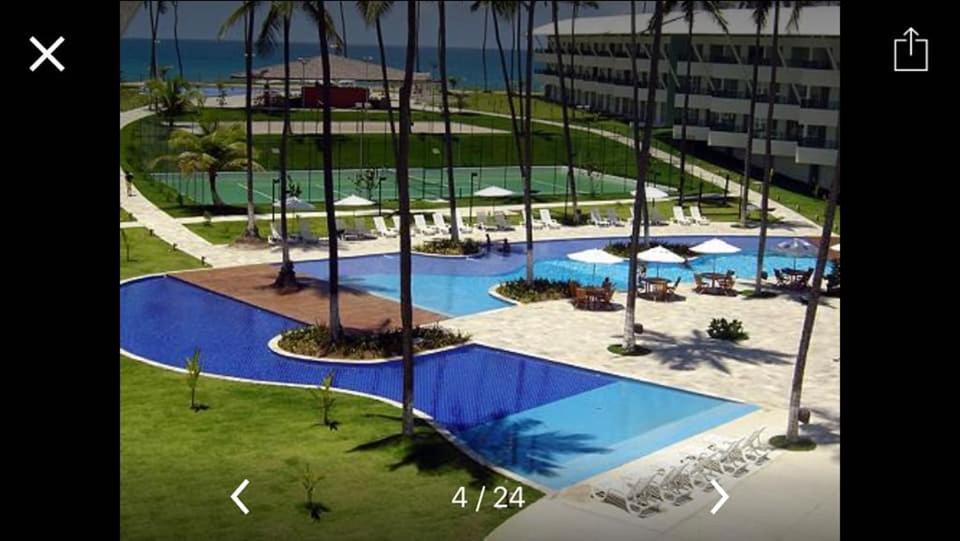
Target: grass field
149, 254
126, 216
131, 98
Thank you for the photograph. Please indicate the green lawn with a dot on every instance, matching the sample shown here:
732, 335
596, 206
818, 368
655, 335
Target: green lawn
149, 254
126, 216
131, 98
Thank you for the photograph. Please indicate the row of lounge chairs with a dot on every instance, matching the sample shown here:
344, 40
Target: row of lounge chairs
613, 219
678, 484
695, 217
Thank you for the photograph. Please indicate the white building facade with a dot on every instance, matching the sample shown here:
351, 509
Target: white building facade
806, 112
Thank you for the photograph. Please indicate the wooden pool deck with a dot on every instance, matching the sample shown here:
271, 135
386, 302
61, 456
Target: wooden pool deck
359, 311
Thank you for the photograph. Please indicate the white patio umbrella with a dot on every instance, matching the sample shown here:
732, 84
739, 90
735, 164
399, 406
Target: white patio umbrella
797, 248
353, 201
715, 246
659, 254
491, 191
836, 247
652, 193
595, 257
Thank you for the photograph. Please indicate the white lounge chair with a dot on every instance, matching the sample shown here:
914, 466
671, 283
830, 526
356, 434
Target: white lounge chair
537, 224
421, 225
276, 238
548, 220
360, 230
679, 218
613, 218
502, 224
595, 219
396, 222
483, 221
463, 228
656, 218
637, 498
697, 217
382, 228
306, 235
439, 223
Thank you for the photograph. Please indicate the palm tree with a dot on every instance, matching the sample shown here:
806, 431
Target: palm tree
403, 189
176, 38
216, 148
321, 17
689, 9
343, 30
813, 300
155, 9
642, 154
483, 48
567, 139
278, 19
173, 97
760, 19
246, 11
528, 139
577, 4
771, 100
372, 12
447, 139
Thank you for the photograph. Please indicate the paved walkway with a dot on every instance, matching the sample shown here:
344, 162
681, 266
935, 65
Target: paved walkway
372, 127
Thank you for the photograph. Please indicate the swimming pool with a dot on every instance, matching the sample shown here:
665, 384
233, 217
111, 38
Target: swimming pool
459, 286
547, 422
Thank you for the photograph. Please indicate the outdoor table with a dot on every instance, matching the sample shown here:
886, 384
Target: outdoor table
714, 277
795, 276
658, 286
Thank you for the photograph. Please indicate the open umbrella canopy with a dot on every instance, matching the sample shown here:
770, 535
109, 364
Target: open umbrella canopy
652, 193
715, 246
836, 247
596, 257
296, 204
353, 201
796, 247
493, 191
659, 254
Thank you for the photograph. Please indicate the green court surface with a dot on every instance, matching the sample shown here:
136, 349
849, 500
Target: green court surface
425, 183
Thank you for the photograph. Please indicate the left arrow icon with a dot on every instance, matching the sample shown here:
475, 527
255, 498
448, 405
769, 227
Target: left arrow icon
236, 496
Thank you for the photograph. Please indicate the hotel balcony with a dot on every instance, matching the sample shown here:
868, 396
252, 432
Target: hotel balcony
816, 150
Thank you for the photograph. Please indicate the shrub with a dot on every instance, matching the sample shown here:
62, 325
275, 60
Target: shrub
315, 341
542, 289
622, 249
721, 329
193, 378
325, 399
448, 247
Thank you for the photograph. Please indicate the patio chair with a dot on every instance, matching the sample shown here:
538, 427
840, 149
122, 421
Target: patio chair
439, 223
341, 228
382, 229
483, 221
306, 235
580, 299
596, 220
699, 285
697, 217
548, 220
613, 218
679, 218
501, 220
672, 290
536, 224
634, 498
360, 230
396, 222
676, 485
656, 218
805, 279
756, 449
275, 237
781, 279
463, 228
731, 457
421, 225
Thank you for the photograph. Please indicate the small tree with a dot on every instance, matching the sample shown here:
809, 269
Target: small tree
366, 181
309, 482
222, 94
193, 378
325, 399
173, 97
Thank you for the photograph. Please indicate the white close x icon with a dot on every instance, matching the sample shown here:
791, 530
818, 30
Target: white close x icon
47, 54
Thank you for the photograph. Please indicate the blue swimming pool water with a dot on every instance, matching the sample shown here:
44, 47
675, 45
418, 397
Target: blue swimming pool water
552, 423
459, 286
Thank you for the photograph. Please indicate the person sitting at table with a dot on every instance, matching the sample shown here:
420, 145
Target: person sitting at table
607, 284
641, 272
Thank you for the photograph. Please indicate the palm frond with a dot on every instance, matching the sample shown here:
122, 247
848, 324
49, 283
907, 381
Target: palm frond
312, 9
371, 10
237, 16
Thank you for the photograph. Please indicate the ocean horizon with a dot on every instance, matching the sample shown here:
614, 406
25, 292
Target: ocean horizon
212, 61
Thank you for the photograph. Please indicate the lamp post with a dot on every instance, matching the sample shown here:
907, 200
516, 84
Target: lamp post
303, 97
273, 190
473, 175
380, 196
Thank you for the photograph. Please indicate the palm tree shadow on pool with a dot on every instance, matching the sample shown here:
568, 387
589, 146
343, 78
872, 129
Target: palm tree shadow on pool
515, 445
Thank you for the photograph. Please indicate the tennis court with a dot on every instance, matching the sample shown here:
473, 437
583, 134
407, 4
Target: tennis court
425, 183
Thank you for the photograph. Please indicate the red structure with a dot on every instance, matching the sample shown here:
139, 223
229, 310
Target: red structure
340, 96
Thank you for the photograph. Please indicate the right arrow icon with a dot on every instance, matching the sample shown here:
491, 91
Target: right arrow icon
723, 496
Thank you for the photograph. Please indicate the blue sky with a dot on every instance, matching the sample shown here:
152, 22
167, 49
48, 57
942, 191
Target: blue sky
201, 20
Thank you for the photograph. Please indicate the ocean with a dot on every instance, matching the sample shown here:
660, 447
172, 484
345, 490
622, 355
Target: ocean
211, 60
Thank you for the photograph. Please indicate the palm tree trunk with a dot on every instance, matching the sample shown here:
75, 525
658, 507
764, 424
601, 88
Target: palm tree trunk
251, 230
286, 278
333, 261
176, 39
154, 20
768, 173
528, 134
686, 103
516, 52
567, 139
573, 50
506, 82
343, 29
486, 20
386, 92
813, 301
212, 178
748, 152
447, 140
403, 187
642, 155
